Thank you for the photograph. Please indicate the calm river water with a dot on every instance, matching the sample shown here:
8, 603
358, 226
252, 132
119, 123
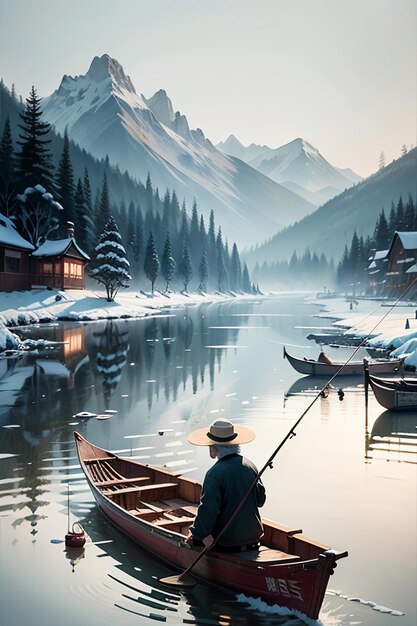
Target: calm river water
346, 483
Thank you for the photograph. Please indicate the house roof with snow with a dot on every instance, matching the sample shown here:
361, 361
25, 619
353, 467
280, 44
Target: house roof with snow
380, 255
60, 247
408, 240
10, 237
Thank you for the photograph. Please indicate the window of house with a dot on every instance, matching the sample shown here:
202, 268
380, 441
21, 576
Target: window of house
11, 264
47, 268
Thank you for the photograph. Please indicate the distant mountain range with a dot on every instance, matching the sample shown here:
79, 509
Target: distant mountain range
332, 226
105, 116
297, 165
122, 187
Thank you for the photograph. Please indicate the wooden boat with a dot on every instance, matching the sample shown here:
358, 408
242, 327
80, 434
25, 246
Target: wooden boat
326, 367
395, 394
155, 508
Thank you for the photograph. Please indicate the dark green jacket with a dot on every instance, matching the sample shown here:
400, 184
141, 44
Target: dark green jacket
225, 484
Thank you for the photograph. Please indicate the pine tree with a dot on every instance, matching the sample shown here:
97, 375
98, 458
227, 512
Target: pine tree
202, 236
392, 225
33, 162
203, 271
168, 263
65, 182
211, 246
399, 215
381, 163
195, 249
381, 235
236, 270
221, 265
149, 191
84, 226
184, 268
166, 211
7, 169
151, 265
246, 283
138, 239
103, 211
87, 192
110, 265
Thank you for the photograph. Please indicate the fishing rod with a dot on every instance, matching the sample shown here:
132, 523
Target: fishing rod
184, 580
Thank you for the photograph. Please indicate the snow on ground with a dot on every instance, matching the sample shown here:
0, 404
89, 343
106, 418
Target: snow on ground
384, 323
20, 308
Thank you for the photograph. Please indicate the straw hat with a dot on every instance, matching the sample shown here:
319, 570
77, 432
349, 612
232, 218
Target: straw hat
222, 432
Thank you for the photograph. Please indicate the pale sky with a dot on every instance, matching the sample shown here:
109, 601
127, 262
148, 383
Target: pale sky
341, 74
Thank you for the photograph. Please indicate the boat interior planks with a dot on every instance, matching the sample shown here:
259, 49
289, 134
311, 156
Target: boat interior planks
155, 508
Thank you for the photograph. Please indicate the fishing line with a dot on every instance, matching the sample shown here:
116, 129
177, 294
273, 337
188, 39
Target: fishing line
177, 581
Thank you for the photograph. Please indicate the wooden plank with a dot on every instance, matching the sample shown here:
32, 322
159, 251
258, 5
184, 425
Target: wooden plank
264, 555
120, 481
97, 459
174, 524
146, 490
174, 520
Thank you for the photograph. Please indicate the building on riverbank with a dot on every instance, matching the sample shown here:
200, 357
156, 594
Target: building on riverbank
56, 263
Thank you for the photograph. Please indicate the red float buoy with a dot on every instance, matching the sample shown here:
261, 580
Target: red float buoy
76, 537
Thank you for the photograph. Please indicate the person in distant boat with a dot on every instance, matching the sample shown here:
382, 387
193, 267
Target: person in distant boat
224, 487
323, 358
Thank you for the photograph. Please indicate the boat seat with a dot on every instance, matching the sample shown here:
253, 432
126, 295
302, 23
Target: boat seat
264, 555
120, 481
179, 521
139, 512
146, 490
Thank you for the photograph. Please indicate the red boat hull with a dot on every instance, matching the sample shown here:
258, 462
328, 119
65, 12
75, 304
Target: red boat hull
299, 583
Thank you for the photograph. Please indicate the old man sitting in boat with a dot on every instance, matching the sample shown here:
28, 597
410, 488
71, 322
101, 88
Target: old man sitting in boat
224, 487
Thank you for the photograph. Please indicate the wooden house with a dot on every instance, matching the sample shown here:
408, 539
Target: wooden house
15, 259
59, 263
55, 264
377, 270
402, 256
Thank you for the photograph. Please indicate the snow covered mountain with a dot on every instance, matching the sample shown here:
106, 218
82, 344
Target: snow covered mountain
297, 165
106, 116
331, 227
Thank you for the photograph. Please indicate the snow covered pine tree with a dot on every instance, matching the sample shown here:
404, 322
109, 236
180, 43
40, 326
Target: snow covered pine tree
110, 265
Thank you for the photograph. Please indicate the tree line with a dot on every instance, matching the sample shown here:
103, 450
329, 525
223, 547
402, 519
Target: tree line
160, 240
352, 269
309, 270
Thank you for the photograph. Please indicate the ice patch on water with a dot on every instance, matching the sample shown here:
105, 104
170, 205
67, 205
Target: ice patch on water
372, 605
5, 455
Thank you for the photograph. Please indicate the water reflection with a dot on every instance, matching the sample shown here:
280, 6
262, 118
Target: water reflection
135, 588
393, 438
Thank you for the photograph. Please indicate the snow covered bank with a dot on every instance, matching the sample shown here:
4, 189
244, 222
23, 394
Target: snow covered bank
383, 324
20, 308
8, 340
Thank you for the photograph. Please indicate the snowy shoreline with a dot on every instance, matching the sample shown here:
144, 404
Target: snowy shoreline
393, 328
383, 323
23, 308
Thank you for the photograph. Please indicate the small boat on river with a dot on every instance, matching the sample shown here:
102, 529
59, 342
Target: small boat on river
155, 508
323, 366
395, 394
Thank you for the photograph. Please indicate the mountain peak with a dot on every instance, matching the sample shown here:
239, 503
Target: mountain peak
232, 141
105, 67
161, 107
